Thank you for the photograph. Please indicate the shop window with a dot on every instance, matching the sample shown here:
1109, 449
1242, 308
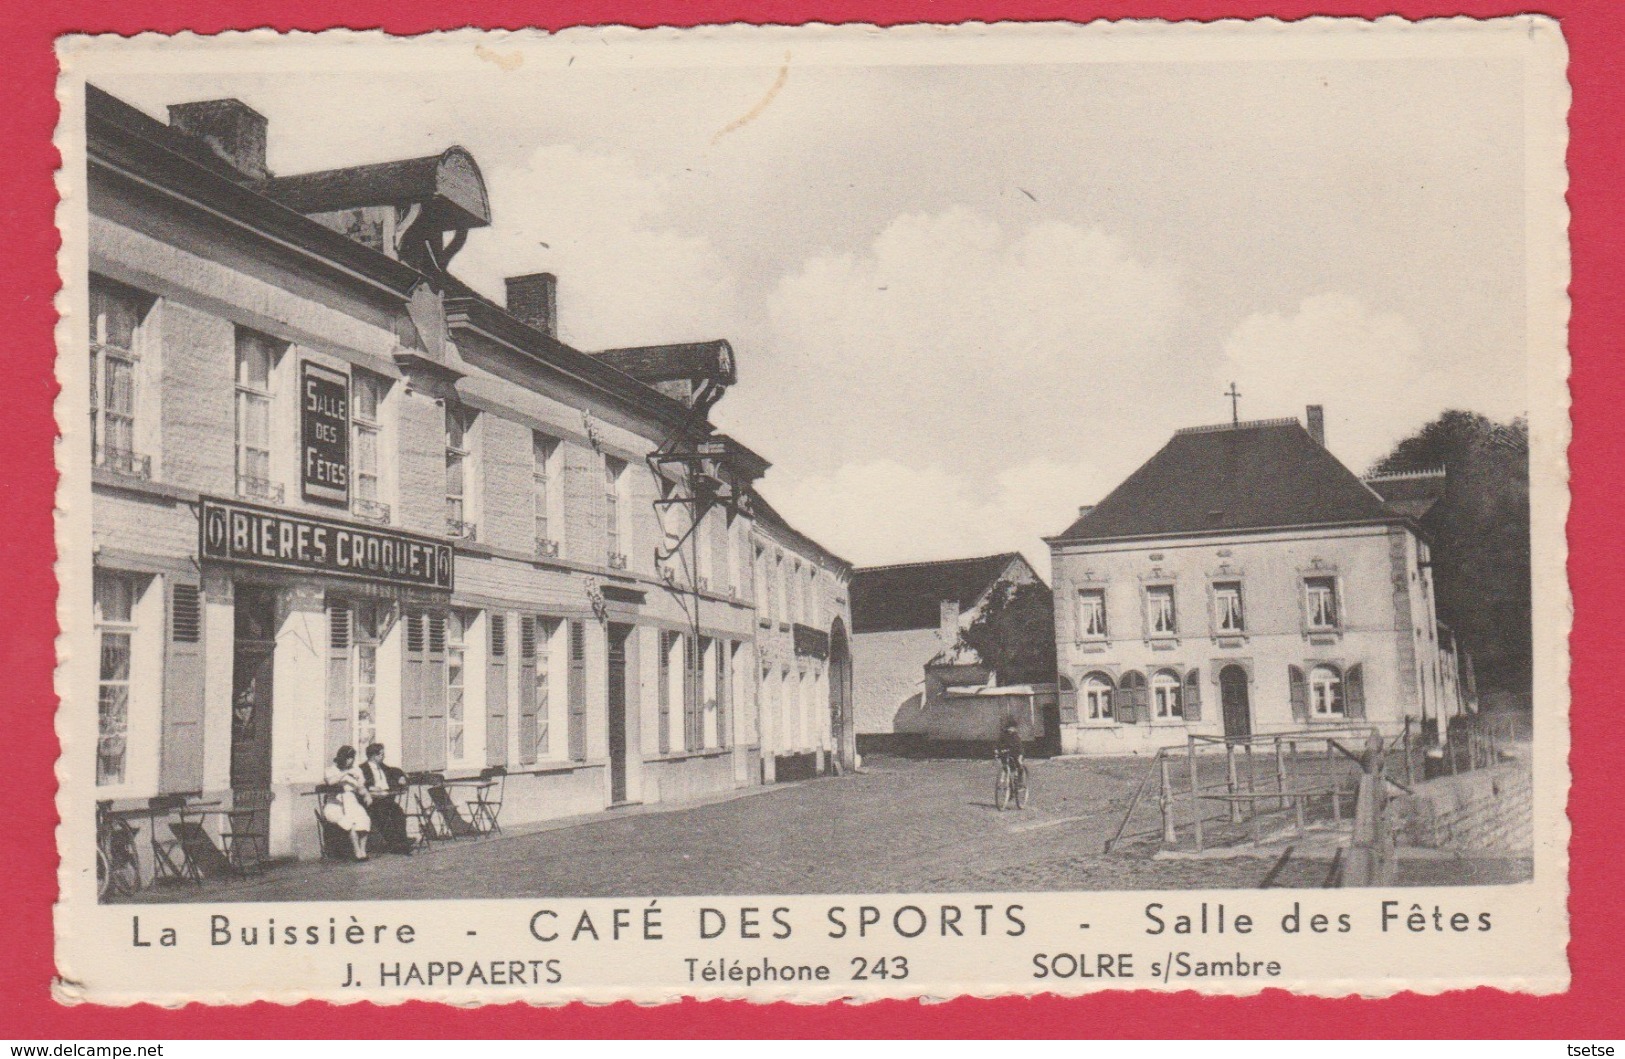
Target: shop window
257, 357
117, 314
1097, 697
1227, 612
1166, 695
115, 596
1092, 614
1321, 603
460, 521
1160, 616
1326, 691
366, 429
544, 458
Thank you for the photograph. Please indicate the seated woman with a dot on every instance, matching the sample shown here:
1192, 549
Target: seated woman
384, 786
347, 810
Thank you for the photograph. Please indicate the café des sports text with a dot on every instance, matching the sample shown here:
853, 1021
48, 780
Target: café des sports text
239, 533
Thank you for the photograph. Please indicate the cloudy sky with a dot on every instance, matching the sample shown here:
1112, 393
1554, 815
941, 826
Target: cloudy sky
968, 292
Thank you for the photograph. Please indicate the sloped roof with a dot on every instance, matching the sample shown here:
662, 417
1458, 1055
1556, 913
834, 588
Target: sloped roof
909, 596
1412, 495
1259, 475
677, 360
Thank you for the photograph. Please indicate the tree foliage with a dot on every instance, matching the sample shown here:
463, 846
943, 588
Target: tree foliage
1014, 634
1480, 533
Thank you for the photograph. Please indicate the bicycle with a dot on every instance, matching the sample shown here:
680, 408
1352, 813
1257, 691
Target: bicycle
1012, 784
118, 866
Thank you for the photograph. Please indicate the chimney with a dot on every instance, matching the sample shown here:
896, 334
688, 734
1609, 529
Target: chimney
1317, 424
233, 129
535, 300
948, 623
1084, 509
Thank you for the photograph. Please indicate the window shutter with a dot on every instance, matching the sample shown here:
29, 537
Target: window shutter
528, 743
185, 614
1123, 705
725, 651
413, 661
434, 703
1298, 692
338, 678
578, 691
1193, 695
1142, 702
1067, 701
691, 705
1354, 693
496, 693
664, 690
180, 755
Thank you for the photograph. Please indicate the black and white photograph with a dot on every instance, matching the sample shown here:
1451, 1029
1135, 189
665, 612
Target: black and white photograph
779, 463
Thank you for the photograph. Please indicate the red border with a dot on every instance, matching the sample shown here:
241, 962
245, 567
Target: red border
1595, 30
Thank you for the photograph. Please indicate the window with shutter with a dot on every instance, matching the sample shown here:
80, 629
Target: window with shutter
181, 752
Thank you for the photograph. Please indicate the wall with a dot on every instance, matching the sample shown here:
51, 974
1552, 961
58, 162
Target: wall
889, 677
1488, 809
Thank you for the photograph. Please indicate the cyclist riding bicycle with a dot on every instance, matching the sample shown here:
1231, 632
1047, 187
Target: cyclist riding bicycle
1009, 748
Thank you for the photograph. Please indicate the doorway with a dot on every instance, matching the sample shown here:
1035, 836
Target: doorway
840, 699
619, 635
251, 668
1238, 721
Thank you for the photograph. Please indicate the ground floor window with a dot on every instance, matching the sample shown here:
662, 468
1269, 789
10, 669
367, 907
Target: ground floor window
1326, 691
115, 596
1097, 698
456, 685
1165, 695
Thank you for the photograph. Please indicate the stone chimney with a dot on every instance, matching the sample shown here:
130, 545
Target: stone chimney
232, 129
948, 623
535, 300
1317, 424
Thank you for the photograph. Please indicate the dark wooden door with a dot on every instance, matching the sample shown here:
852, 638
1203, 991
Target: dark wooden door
252, 664
1238, 721
618, 635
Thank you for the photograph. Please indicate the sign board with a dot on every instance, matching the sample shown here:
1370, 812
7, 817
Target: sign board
234, 532
324, 435
810, 641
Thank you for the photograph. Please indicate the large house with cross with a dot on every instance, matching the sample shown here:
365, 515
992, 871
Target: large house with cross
1243, 581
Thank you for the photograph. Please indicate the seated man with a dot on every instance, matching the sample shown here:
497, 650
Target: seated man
386, 783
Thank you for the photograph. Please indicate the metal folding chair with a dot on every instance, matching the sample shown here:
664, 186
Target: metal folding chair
169, 859
486, 805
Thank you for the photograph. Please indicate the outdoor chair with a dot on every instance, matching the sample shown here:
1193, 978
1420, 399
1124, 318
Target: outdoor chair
204, 859
333, 840
169, 859
246, 834
420, 810
486, 805
454, 823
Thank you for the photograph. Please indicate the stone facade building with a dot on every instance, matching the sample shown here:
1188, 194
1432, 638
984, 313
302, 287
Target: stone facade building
339, 497
1244, 581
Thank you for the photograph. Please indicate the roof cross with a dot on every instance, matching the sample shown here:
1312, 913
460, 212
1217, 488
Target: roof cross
1235, 408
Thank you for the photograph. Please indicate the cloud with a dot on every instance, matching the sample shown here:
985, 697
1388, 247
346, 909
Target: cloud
596, 222
885, 511
1366, 367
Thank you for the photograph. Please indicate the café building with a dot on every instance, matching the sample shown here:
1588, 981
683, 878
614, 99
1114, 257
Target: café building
339, 497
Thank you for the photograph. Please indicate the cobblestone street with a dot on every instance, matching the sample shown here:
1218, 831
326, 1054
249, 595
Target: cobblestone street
899, 826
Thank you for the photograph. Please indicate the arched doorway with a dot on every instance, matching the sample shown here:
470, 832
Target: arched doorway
842, 737
1233, 699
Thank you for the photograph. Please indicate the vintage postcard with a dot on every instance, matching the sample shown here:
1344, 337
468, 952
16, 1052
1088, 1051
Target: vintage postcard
813, 513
